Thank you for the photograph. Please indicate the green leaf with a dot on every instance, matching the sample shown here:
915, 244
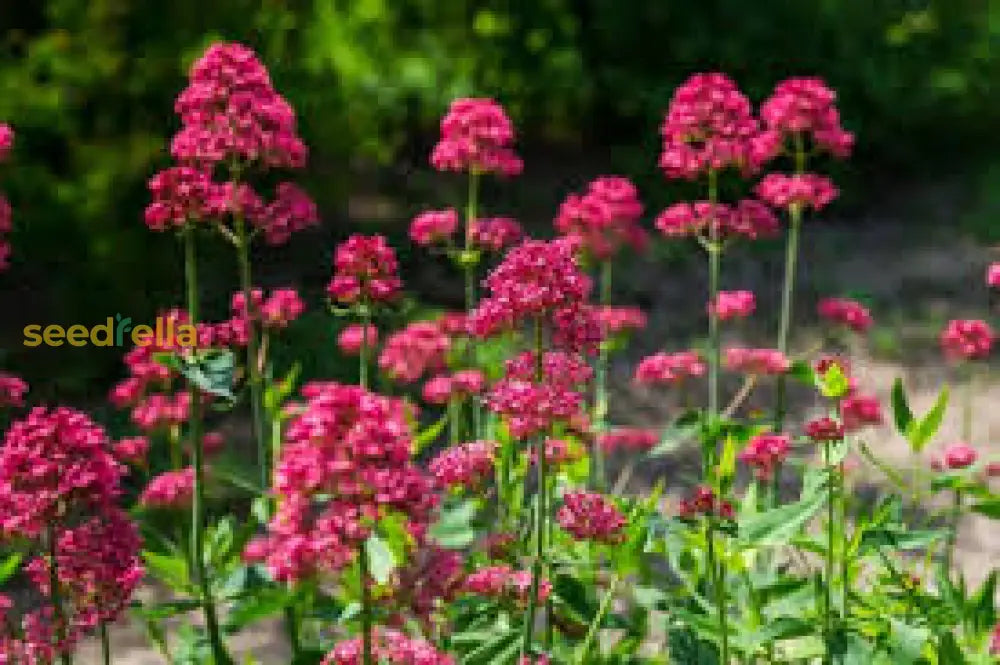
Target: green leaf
778, 525
677, 433
833, 384
901, 413
430, 434
921, 431
908, 642
802, 372
253, 607
212, 371
172, 570
990, 508
381, 561
454, 530
9, 566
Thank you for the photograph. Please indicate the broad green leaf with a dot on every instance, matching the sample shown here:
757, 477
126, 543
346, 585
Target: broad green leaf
381, 561
921, 431
172, 570
901, 413
989, 507
677, 433
802, 372
907, 642
779, 525
212, 371
252, 607
9, 566
454, 530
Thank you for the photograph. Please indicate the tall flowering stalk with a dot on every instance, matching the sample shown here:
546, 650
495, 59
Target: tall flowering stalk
800, 119
599, 223
6, 225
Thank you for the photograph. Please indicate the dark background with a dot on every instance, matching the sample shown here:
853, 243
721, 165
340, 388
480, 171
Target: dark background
89, 86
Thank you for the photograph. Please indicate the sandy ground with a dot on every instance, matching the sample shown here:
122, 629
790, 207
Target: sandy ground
915, 279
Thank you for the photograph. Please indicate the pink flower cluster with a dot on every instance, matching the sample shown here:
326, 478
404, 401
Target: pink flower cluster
230, 111
631, 439
6, 225
59, 479
558, 452
805, 190
432, 576
432, 227
805, 105
732, 305
858, 411
590, 516
388, 646
536, 280
503, 582
748, 219
824, 430
365, 270
756, 361
466, 465
845, 312
170, 490
604, 218
993, 275
477, 137
532, 405
348, 449
956, 456
276, 311
967, 339
353, 337
418, 348
495, 234
764, 453
709, 126
460, 385
704, 502
669, 368
618, 320
12, 390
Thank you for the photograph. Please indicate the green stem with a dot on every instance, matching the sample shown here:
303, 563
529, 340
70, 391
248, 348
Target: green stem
292, 631
105, 644
198, 492
597, 473
827, 592
717, 574
540, 522
469, 267
967, 402
454, 420
956, 516
366, 605
252, 361
714, 342
596, 623
845, 543
65, 656
366, 321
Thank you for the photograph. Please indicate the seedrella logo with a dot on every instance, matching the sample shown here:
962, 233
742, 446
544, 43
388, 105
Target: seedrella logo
115, 331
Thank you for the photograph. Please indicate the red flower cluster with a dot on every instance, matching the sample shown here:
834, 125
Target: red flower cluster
388, 646
353, 337
170, 490
434, 226
631, 439
131, 450
709, 125
825, 429
804, 190
532, 408
993, 275
59, 480
669, 368
764, 453
845, 312
418, 348
590, 516
6, 225
495, 233
604, 218
756, 361
558, 452
463, 383
505, 583
956, 456
349, 449
230, 111
704, 502
466, 465
733, 305
432, 577
967, 339
536, 280
365, 270
858, 411
12, 390
995, 641
276, 311
618, 320
749, 219
806, 106
476, 136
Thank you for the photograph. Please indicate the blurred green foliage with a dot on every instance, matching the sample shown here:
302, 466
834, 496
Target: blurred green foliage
89, 85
